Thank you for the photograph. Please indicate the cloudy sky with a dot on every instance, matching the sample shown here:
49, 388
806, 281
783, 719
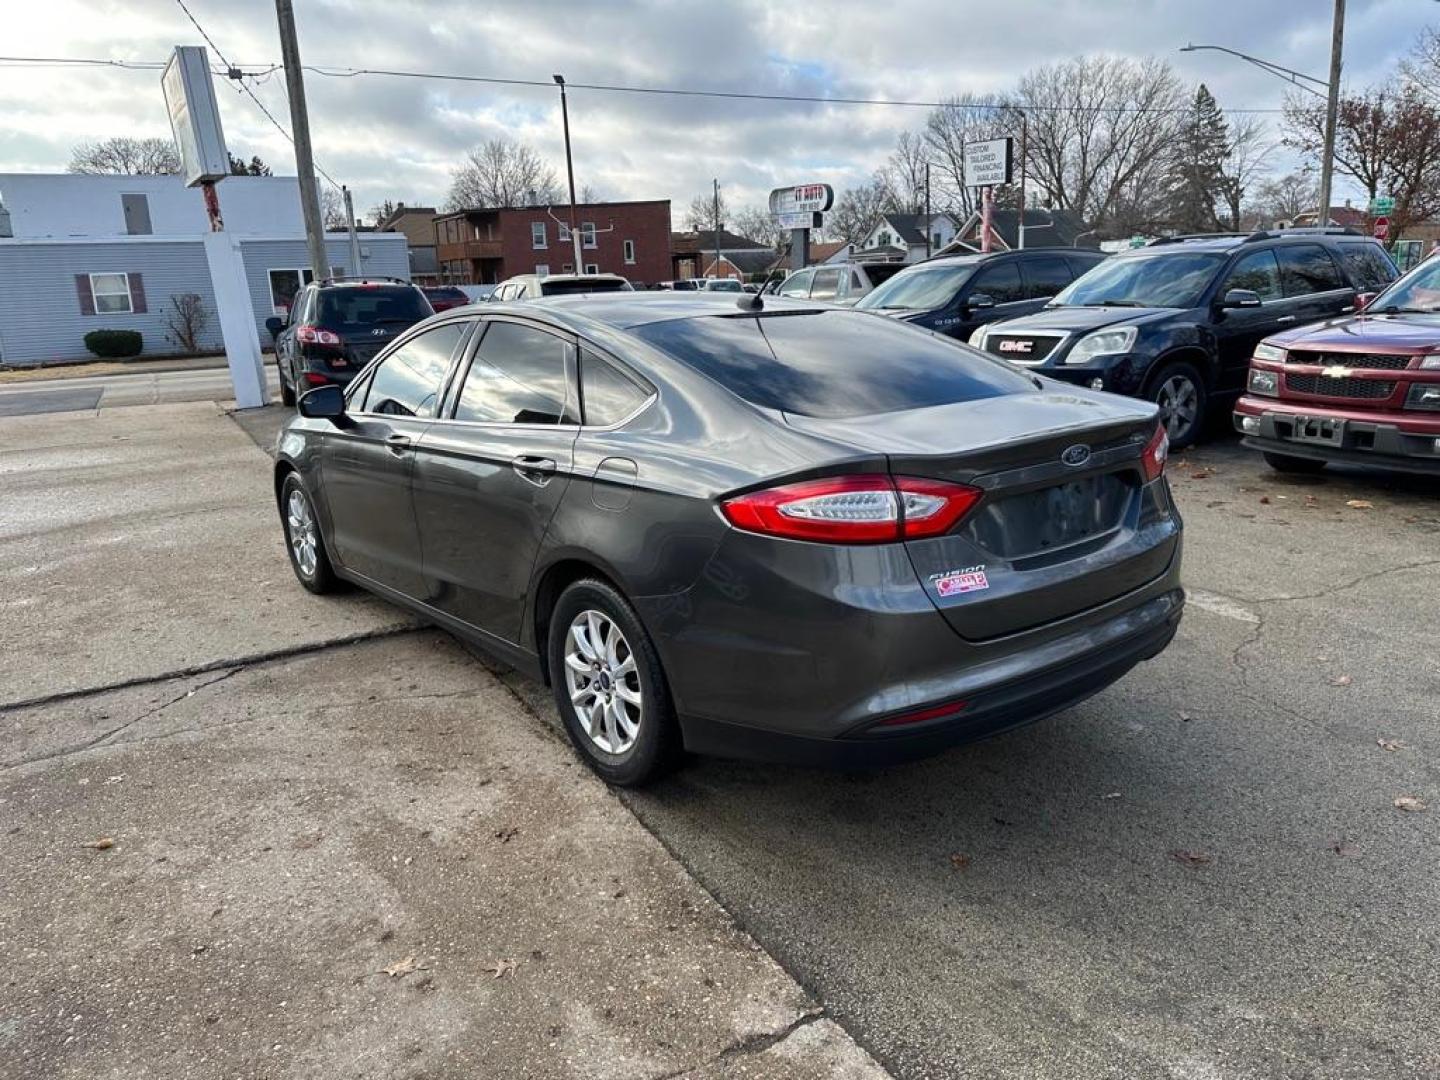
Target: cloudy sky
400, 138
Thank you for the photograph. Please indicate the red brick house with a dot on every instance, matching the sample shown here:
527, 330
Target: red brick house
476, 247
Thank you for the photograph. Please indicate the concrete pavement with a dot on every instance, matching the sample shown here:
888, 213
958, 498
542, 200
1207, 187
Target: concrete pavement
159, 385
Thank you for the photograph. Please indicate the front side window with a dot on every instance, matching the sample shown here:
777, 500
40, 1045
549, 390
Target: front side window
407, 382
520, 375
1258, 272
1306, 269
609, 396
1046, 275
537, 234
797, 284
112, 294
587, 233
1370, 268
1000, 281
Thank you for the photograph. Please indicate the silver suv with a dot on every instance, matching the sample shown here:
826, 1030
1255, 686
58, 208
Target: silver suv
837, 283
533, 286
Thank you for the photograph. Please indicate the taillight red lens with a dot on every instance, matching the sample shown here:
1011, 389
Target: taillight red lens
919, 716
316, 335
1157, 451
316, 379
871, 509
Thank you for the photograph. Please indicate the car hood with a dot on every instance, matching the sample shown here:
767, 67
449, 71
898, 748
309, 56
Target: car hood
1079, 319
1366, 333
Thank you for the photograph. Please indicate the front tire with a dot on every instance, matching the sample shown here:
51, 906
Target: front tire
303, 540
1300, 466
609, 685
1179, 390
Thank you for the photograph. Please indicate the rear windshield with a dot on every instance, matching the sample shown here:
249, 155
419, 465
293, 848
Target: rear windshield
560, 288
832, 363
443, 293
371, 305
923, 288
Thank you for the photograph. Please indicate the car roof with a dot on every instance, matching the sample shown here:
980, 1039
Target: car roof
624, 310
1226, 242
364, 283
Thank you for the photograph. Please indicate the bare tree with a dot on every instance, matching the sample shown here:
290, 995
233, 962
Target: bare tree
502, 173
702, 216
1421, 68
904, 173
856, 211
1247, 162
755, 223
186, 321
1284, 198
961, 120
332, 209
125, 155
589, 193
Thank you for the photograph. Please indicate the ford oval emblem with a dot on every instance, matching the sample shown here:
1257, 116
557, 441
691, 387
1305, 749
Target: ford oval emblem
1076, 455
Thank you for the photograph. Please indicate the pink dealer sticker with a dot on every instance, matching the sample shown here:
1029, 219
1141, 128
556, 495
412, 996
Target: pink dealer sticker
961, 581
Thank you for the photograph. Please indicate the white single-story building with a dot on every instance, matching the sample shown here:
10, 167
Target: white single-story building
82, 253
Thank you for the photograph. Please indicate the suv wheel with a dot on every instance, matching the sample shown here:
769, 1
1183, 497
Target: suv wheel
1287, 464
609, 686
287, 392
1180, 392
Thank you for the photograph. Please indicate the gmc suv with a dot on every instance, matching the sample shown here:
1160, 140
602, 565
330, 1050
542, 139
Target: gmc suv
1363, 390
1177, 320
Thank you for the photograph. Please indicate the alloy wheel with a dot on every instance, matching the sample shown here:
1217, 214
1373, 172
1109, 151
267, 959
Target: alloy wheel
1179, 401
304, 543
603, 681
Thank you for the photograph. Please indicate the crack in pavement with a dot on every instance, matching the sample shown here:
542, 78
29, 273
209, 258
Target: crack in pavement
750, 1044
1361, 580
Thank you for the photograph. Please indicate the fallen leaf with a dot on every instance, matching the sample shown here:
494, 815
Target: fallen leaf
1199, 474
1411, 804
1341, 680
1359, 504
1342, 847
1190, 858
1264, 500
1111, 795
104, 843
959, 861
1389, 744
502, 968
401, 967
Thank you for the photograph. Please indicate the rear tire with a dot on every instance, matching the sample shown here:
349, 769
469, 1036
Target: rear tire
287, 392
1298, 465
1179, 389
609, 686
303, 539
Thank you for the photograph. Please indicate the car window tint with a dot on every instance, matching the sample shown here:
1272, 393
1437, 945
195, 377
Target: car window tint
1307, 268
833, 362
1046, 275
407, 382
352, 306
1001, 281
519, 376
1258, 272
1369, 267
826, 285
923, 287
609, 395
797, 284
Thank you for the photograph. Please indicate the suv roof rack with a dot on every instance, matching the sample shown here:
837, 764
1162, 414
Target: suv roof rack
364, 278
1304, 230
1200, 236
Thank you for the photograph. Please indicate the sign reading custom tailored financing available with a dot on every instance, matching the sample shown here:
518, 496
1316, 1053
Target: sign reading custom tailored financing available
988, 163
799, 200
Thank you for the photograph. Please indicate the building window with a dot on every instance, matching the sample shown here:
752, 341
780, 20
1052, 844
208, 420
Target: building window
629, 251
542, 269
537, 235
284, 285
112, 294
564, 231
568, 268
883, 240
587, 233
592, 268
935, 241
475, 230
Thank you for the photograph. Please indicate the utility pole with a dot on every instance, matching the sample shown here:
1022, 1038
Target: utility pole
1024, 153
300, 128
927, 209
1332, 105
350, 225
716, 221
570, 172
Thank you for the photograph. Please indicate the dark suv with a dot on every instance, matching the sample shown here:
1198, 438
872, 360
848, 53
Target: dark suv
1176, 321
337, 327
955, 294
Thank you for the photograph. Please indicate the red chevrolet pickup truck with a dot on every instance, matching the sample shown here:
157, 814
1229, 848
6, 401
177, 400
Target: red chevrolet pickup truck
1363, 389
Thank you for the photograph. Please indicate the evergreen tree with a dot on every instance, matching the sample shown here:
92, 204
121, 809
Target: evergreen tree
1196, 179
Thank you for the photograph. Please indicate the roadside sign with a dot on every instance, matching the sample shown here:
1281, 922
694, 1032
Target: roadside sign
1138, 241
988, 163
1382, 229
798, 219
1382, 205
801, 199
195, 116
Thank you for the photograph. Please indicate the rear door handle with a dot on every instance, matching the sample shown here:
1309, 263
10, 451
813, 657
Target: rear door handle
397, 444
533, 470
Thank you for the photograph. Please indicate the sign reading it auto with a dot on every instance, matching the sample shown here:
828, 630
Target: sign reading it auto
194, 116
800, 207
988, 163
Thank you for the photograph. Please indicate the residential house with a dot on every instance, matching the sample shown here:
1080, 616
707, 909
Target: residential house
418, 225
1043, 228
81, 253
694, 254
897, 237
485, 246
1345, 217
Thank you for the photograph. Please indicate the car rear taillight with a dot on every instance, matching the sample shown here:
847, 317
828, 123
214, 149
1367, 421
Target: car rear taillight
1157, 450
869, 509
316, 379
316, 335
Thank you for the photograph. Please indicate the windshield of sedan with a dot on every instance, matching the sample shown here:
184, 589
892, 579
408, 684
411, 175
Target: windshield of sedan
1174, 279
923, 288
1418, 291
832, 363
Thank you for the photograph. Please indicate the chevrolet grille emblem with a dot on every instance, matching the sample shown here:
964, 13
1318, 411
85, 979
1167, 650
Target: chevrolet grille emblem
1337, 372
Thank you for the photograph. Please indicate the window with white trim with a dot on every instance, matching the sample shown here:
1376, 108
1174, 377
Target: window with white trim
564, 232
629, 251
111, 293
542, 269
587, 233
537, 235
592, 268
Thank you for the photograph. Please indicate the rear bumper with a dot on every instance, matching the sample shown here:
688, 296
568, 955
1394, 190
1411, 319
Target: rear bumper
1408, 443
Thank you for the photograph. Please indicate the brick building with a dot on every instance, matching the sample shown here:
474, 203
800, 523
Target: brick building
477, 247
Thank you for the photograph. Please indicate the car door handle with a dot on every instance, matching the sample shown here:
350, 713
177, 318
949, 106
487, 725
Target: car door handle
397, 444
1285, 318
533, 470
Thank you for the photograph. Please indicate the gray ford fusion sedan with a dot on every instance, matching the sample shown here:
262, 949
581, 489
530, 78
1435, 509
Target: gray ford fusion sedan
759, 528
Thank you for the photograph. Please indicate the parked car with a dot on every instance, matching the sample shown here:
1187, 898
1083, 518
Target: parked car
724, 284
336, 327
679, 285
477, 294
1175, 322
918, 545
1363, 390
837, 283
956, 294
534, 286
444, 297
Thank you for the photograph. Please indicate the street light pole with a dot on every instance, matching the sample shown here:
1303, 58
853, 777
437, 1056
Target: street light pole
570, 172
1332, 105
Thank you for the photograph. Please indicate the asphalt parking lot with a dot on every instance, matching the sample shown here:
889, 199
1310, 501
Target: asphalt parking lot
1202, 872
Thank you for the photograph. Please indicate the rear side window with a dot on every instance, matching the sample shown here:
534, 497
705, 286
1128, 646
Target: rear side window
826, 286
609, 395
368, 305
1000, 281
1307, 268
1258, 272
520, 375
407, 382
1045, 276
1369, 267
832, 363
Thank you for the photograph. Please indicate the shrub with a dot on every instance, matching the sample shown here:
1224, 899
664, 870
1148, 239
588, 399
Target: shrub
114, 343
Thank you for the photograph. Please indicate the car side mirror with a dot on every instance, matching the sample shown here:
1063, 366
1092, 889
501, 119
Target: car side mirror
274, 324
1364, 300
1240, 298
980, 300
323, 403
